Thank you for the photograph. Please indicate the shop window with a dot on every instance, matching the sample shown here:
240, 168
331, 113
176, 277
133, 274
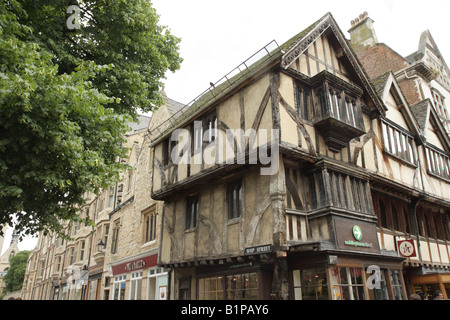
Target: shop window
93, 288
380, 290
136, 285
348, 283
397, 284
310, 284
119, 287
235, 200
157, 284
244, 286
210, 288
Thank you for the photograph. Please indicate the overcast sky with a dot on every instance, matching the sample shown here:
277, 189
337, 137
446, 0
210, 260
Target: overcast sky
216, 36
219, 35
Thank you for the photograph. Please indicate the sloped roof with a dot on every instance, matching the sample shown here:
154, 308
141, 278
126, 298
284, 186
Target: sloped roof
379, 83
420, 112
286, 54
141, 124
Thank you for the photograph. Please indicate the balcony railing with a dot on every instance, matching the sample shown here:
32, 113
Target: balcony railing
217, 89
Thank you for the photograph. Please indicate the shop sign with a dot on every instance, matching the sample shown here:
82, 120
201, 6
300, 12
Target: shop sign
146, 262
360, 236
357, 234
406, 248
258, 250
139, 264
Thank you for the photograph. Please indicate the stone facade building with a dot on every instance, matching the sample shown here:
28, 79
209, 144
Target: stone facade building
317, 169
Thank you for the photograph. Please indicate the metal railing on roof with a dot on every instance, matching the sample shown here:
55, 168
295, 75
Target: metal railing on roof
215, 89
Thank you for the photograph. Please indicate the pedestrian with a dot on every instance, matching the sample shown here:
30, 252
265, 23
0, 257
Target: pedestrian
415, 296
423, 296
437, 295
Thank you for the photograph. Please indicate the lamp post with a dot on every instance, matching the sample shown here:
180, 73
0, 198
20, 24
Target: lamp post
101, 246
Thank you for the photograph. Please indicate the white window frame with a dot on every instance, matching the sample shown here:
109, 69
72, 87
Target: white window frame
135, 286
154, 273
118, 281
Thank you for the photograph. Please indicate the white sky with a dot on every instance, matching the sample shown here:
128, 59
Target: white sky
219, 35
216, 36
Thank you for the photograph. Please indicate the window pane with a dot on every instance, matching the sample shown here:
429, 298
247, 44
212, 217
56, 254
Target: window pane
343, 279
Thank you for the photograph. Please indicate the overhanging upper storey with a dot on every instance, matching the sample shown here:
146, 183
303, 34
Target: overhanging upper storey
338, 115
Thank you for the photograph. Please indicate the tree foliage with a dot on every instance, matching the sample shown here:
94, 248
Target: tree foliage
124, 33
65, 101
16, 272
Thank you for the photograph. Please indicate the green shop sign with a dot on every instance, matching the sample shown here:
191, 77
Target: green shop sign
357, 234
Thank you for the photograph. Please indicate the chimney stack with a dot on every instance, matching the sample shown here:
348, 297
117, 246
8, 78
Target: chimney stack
362, 32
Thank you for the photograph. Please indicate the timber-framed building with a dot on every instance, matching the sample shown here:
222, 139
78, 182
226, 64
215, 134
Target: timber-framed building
316, 169
348, 195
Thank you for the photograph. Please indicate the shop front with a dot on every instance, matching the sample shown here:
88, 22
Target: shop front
350, 268
246, 277
139, 278
93, 290
428, 280
249, 280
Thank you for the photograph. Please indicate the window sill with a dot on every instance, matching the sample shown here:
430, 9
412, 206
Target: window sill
233, 221
403, 161
148, 244
190, 230
434, 175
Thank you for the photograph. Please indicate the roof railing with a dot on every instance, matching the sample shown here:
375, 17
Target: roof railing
215, 89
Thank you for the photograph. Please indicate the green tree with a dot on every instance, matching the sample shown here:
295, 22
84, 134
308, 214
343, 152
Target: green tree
63, 116
124, 33
16, 272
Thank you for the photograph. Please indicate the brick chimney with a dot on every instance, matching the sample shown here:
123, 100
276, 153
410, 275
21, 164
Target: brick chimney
362, 32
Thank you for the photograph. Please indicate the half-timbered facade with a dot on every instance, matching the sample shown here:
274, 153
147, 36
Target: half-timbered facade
296, 212
411, 191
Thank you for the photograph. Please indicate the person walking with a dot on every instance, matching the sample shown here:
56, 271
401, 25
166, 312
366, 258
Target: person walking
437, 295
